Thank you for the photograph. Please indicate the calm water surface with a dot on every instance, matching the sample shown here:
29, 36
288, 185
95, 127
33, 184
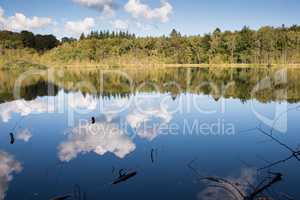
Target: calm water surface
168, 128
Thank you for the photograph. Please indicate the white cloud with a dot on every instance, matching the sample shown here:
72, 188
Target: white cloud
24, 135
8, 166
75, 28
120, 24
100, 138
24, 108
20, 22
137, 9
101, 5
108, 12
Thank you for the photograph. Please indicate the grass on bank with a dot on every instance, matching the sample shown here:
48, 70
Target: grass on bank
27, 58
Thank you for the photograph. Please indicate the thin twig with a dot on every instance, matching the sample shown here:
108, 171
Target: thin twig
276, 140
277, 178
277, 163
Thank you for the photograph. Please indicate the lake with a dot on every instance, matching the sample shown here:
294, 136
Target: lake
182, 133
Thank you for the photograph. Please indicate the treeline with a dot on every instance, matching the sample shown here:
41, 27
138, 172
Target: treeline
26, 39
101, 35
108, 34
268, 45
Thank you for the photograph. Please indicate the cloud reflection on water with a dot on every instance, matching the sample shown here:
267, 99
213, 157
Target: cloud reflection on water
8, 166
147, 123
100, 138
24, 108
106, 135
24, 135
226, 191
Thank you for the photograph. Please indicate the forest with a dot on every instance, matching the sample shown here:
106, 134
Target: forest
266, 46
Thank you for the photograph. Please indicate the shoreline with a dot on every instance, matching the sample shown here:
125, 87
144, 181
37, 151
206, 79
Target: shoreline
147, 66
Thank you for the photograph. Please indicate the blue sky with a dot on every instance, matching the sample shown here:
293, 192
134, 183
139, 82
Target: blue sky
145, 17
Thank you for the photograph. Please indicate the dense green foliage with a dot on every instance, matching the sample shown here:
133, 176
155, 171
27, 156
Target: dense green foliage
26, 39
24, 49
266, 46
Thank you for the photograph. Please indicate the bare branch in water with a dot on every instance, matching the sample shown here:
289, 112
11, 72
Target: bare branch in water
225, 189
64, 197
124, 177
224, 183
277, 177
294, 153
276, 140
12, 138
247, 191
76, 195
240, 189
276, 163
234, 190
152, 156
